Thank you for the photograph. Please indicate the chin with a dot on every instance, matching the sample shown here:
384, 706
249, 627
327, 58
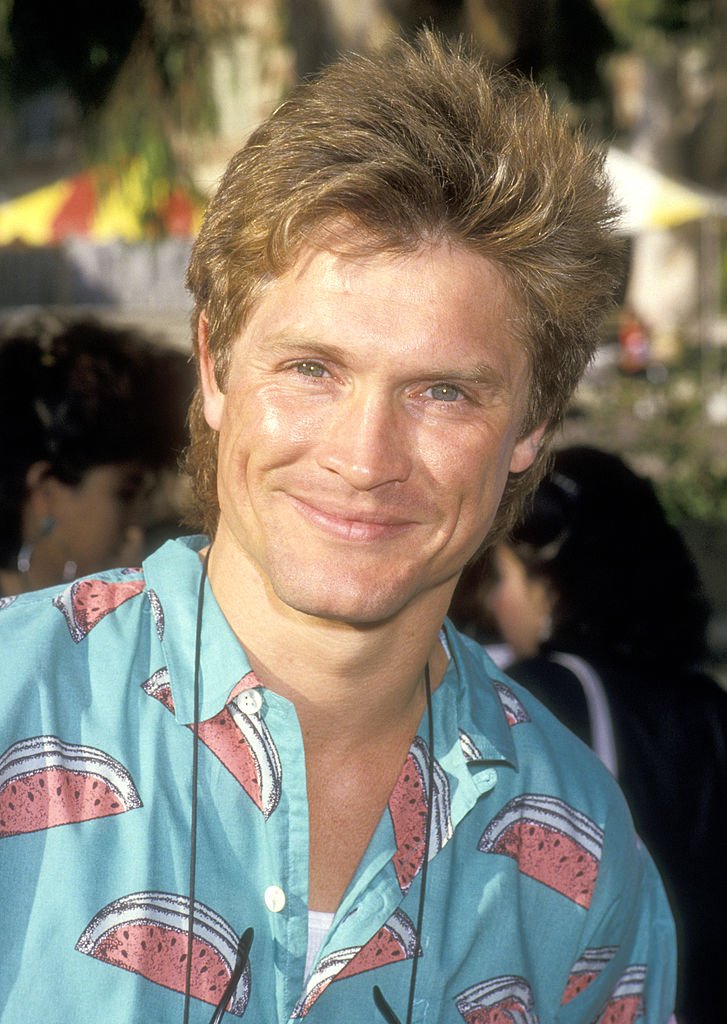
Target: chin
363, 606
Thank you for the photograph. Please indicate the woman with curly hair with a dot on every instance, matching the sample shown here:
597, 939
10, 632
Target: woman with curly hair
87, 412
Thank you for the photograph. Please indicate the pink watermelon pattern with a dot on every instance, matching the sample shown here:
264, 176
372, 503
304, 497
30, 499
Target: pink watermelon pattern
513, 707
626, 1005
408, 810
393, 942
586, 969
45, 782
240, 740
85, 602
504, 1000
159, 687
146, 933
551, 842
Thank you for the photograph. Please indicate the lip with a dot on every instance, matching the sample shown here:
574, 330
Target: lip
361, 526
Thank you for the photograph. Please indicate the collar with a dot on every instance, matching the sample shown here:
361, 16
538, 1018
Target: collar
173, 575
472, 719
482, 700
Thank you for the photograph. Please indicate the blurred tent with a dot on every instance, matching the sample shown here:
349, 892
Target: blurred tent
652, 200
102, 206
673, 292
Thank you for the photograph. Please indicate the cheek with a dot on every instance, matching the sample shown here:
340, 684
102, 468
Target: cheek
107, 522
269, 428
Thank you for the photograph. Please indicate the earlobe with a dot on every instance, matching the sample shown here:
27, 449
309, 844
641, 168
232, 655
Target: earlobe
39, 485
526, 450
213, 398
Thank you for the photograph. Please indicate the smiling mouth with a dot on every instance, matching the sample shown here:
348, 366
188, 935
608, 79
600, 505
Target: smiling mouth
353, 525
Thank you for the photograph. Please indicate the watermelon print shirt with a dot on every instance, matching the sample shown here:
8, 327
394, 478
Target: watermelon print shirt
541, 904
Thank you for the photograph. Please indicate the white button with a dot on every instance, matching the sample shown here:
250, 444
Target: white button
274, 899
249, 701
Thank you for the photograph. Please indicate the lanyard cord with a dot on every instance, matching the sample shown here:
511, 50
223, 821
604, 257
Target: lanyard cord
195, 765
427, 840
246, 940
379, 998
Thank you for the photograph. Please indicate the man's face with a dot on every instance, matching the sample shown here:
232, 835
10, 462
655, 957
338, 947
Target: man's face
370, 420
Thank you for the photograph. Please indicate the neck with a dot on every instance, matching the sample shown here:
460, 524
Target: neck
370, 677
13, 582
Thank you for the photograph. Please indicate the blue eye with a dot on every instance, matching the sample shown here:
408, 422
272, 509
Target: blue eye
310, 369
445, 392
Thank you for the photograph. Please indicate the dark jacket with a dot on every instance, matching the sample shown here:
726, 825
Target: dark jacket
670, 730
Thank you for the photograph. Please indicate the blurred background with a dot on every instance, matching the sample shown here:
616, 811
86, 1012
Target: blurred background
116, 122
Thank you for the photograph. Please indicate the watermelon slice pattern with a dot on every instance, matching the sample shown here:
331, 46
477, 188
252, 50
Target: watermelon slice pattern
146, 933
504, 1000
85, 602
513, 707
470, 751
586, 969
159, 687
408, 810
551, 842
395, 941
157, 612
45, 782
240, 740
626, 1005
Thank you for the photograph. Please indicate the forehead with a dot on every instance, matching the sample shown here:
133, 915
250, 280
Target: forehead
440, 298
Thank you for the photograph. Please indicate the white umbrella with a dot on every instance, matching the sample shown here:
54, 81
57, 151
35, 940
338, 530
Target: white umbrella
650, 199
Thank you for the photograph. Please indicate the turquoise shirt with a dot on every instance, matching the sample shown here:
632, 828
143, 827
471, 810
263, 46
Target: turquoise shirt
541, 904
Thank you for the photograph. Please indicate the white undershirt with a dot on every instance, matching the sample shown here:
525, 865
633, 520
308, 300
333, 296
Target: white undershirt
318, 924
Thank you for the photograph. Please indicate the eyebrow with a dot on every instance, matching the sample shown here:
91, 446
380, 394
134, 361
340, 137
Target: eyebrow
284, 343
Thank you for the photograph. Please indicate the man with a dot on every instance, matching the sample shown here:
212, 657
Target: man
397, 288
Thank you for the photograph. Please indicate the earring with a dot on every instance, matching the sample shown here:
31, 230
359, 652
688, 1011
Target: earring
25, 554
546, 628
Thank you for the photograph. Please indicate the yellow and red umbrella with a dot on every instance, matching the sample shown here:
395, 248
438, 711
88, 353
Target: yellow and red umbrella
100, 205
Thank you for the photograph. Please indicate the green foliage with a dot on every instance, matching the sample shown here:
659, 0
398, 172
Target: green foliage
635, 21
139, 71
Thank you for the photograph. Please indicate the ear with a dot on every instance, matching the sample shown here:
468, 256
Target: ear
36, 476
42, 491
38, 489
213, 398
526, 450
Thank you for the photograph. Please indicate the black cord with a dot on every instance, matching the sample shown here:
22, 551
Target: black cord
243, 952
247, 936
379, 998
195, 765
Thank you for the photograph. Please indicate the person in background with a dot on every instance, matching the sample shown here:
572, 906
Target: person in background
599, 601
89, 414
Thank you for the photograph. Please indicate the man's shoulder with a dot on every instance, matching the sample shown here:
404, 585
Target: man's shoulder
547, 756
72, 609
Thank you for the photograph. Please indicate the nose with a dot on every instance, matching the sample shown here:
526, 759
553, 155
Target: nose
366, 442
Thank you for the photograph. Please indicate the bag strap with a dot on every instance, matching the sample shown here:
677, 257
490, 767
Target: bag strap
602, 738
